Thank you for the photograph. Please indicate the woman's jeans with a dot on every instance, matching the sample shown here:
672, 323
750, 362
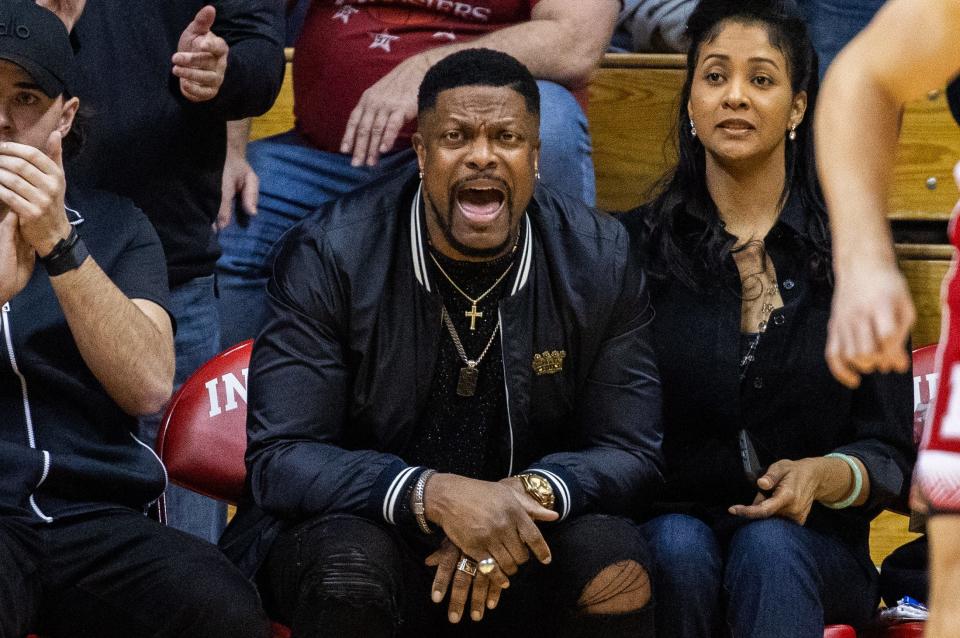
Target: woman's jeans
773, 579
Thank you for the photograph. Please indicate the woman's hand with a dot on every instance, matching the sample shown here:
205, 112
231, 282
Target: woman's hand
795, 485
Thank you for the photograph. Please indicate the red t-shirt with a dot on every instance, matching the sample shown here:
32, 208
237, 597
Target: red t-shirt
348, 45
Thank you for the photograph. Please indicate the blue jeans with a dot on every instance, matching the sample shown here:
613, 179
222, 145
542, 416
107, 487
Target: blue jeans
295, 179
833, 23
774, 578
194, 307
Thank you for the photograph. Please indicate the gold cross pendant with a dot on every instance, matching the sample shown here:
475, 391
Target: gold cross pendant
473, 315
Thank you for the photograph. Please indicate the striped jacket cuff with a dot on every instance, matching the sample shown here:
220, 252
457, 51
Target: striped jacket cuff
389, 488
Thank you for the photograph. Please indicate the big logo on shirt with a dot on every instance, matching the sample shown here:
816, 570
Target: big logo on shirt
462, 10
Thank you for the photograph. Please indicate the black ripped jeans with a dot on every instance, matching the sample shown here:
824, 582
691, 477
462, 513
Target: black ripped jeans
341, 575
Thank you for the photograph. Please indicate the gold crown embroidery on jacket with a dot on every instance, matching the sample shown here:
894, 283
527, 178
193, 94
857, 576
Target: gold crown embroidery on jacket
549, 362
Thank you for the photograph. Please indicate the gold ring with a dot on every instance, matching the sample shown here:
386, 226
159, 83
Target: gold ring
487, 565
467, 566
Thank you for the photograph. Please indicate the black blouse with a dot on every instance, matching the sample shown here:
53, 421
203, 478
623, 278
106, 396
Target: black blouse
788, 401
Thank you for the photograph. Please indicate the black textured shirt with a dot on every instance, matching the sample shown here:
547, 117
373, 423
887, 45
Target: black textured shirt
460, 434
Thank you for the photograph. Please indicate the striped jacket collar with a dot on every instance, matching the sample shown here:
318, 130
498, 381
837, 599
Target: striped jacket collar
418, 248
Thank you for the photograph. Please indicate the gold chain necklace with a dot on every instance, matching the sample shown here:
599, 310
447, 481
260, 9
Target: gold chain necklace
467, 383
472, 314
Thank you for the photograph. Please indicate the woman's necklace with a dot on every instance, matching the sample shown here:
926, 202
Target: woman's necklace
769, 296
753, 259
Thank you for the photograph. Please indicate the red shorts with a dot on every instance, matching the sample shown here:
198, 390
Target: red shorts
937, 475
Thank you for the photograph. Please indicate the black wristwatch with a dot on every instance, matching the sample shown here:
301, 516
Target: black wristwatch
66, 255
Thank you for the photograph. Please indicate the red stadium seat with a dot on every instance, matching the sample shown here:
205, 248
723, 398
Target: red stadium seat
903, 630
203, 435
279, 631
913, 629
839, 631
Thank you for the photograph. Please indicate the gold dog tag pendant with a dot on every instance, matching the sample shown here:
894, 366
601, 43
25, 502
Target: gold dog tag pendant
467, 385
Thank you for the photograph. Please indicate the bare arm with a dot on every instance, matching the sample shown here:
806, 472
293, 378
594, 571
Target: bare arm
857, 121
574, 32
128, 345
238, 178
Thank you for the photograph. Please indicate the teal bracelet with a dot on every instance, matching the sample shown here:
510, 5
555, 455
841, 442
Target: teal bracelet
857, 482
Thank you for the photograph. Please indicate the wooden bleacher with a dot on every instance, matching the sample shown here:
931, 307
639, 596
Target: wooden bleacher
633, 102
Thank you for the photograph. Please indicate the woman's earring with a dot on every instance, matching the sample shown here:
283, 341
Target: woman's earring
536, 172
421, 173
693, 128
793, 132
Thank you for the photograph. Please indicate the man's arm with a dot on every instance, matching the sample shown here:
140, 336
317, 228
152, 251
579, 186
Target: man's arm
619, 410
239, 181
298, 398
253, 31
574, 32
857, 122
909, 48
128, 345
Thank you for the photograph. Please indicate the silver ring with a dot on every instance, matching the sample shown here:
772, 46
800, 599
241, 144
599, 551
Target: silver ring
467, 566
486, 566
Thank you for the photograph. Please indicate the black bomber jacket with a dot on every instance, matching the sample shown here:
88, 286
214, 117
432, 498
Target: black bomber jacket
342, 370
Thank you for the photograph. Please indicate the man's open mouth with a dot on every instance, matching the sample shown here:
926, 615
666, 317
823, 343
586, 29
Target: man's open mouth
481, 202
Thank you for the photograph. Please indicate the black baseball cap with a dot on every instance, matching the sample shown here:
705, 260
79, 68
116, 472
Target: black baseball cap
36, 40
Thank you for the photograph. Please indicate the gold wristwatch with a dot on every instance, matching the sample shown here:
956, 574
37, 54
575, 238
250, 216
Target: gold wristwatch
539, 488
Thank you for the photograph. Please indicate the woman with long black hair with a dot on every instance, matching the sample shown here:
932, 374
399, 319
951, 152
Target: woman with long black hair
737, 249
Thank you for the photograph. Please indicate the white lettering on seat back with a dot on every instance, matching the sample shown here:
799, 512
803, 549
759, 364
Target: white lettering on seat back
232, 387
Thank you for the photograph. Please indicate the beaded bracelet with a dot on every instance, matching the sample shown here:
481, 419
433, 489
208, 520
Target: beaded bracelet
857, 482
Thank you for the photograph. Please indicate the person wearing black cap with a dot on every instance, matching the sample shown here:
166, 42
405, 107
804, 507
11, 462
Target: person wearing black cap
87, 346
162, 79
